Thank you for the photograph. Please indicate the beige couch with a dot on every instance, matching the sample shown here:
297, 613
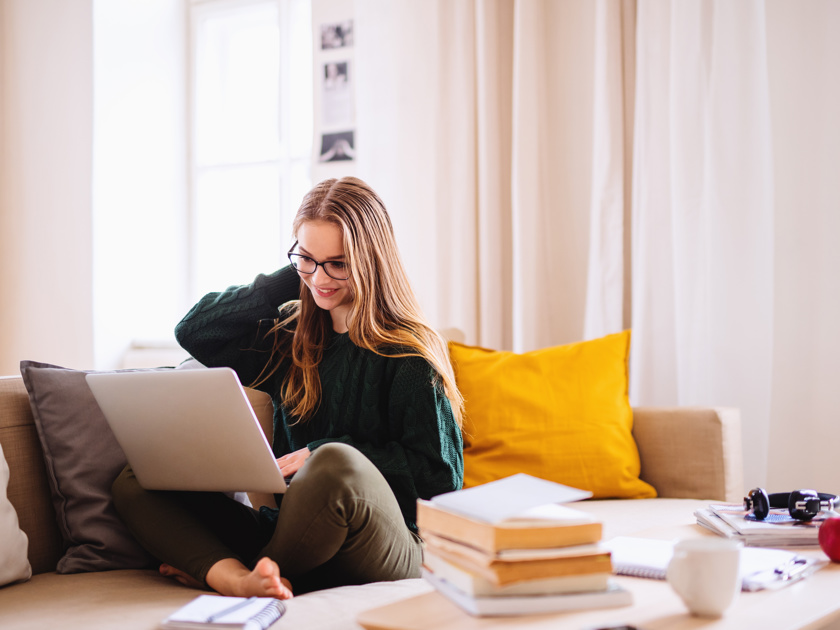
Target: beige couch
690, 455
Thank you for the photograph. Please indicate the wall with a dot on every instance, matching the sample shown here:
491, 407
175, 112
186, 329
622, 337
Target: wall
803, 55
45, 191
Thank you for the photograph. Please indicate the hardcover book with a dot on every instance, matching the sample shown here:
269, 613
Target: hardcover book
549, 525
612, 596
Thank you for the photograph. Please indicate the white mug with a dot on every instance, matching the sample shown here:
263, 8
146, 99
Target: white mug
706, 574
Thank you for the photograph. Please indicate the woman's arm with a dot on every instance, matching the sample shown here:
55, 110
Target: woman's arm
228, 328
424, 458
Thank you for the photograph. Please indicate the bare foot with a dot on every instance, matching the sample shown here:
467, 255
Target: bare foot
187, 580
231, 577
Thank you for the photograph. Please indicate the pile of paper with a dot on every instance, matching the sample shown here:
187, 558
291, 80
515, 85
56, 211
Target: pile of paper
731, 521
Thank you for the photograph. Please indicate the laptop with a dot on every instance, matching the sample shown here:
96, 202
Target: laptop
188, 430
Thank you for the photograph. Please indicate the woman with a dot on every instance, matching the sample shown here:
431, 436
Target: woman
367, 415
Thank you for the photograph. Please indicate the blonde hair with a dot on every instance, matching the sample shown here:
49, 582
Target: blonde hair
384, 315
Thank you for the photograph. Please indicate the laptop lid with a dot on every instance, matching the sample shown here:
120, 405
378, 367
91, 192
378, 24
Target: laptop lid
188, 430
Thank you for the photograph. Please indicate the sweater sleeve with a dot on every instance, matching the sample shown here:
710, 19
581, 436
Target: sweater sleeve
228, 328
424, 456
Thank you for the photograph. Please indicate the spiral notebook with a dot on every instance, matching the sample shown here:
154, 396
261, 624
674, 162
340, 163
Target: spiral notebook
217, 611
761, 568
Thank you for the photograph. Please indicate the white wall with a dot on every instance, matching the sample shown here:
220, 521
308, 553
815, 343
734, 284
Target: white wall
803, 57
45, 190
139, 174
92, 111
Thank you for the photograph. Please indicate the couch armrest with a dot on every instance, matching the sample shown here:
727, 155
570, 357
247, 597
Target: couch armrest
691, 452
28, 491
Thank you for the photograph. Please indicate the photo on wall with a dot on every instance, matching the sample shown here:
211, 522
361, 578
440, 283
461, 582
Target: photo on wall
337, 95
337, 147
337, 35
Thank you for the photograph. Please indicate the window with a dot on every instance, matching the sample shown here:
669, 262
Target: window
250, 135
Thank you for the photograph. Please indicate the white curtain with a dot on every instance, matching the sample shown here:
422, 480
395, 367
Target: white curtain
474, 125
702, 212
562, 170
609, 292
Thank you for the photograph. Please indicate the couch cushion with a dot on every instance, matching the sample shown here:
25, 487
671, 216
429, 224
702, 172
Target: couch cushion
82, 459
14, 565
140, 600
561, 413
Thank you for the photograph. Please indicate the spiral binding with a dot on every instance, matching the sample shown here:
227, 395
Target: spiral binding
267, 616
642, 572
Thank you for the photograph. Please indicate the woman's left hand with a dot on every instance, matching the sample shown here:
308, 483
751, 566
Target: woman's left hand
291, 462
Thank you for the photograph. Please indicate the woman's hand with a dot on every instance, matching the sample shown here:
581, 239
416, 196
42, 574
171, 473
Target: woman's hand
291, 463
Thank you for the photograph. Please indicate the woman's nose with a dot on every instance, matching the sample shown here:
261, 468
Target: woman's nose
320, 276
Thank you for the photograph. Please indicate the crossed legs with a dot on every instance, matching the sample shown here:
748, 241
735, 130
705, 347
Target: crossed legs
339, 523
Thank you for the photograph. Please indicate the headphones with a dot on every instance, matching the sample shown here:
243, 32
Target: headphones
803, 505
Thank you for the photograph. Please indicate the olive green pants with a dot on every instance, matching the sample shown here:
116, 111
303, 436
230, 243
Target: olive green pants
339, 523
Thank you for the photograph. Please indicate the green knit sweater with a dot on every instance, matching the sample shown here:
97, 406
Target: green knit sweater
387, 407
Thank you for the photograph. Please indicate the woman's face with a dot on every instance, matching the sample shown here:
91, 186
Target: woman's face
322, 241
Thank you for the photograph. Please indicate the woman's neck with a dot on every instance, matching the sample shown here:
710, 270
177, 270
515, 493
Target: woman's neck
339, 320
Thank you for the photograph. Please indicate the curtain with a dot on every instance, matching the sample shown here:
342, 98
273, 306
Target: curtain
702, 212
609, 289
475, 126
562, 170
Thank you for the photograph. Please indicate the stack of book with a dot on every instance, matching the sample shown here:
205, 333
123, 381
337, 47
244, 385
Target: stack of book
546, 559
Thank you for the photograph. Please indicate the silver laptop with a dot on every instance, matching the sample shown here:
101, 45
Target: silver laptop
188, 430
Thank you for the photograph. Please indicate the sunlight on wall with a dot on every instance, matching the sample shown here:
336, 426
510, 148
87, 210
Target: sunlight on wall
196, 173
248, 159
139, 183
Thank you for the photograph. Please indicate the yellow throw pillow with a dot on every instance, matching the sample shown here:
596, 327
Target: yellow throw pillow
561, 414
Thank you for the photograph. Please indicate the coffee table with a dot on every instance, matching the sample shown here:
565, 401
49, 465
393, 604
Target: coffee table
811, 603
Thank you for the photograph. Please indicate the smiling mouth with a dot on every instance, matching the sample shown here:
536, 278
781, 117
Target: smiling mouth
325, 292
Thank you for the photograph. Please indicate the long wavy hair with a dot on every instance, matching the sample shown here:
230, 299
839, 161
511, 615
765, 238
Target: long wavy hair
385, 316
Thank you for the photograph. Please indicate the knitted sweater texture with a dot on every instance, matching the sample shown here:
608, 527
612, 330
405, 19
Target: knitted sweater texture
389, 408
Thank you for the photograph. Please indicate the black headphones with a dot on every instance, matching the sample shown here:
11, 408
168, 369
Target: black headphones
803, 505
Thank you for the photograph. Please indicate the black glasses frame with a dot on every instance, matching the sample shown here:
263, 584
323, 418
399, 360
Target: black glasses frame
322, 265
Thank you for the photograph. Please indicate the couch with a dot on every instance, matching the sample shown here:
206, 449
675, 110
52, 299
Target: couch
689, 455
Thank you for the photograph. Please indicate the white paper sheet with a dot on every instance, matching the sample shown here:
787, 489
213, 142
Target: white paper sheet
495, 501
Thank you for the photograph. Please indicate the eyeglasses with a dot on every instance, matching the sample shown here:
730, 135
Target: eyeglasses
335, 269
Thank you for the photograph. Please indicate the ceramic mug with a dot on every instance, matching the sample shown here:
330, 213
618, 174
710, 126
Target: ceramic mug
706, 574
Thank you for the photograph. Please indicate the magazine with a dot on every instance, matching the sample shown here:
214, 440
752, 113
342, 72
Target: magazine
729, 520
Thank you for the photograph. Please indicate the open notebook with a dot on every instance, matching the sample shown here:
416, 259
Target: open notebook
761, 568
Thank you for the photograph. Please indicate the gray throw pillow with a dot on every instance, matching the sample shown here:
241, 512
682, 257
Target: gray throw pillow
83, 458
